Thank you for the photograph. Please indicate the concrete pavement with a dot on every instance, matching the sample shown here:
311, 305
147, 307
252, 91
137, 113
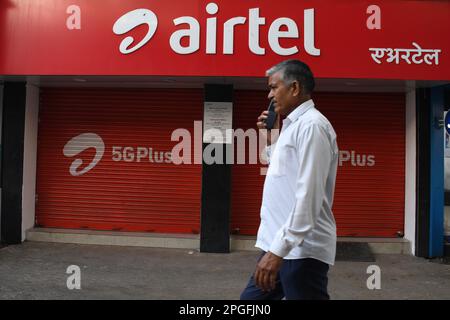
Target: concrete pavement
37, 270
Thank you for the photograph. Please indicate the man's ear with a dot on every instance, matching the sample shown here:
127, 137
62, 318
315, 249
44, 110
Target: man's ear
296, 89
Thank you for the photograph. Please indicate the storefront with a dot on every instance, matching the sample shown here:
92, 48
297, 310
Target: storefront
134, 186
120, 95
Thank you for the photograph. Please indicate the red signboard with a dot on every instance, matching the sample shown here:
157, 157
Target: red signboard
392, 39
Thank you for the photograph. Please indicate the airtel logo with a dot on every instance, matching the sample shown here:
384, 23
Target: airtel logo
79, 144
130, 21
280, 28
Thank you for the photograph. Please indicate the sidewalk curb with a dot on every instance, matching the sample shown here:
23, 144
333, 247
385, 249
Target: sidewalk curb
186, 241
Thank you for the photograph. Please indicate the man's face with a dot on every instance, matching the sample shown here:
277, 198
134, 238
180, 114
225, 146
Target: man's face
282, 94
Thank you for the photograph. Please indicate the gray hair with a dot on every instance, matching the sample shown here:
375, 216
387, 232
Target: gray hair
294, 70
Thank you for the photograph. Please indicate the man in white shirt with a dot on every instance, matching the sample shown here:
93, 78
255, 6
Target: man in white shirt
297, 233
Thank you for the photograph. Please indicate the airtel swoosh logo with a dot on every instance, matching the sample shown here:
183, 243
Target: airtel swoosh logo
131, 20
79, 144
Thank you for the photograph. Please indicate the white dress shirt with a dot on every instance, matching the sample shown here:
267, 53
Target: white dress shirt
296, 217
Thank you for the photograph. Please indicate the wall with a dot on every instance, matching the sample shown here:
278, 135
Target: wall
1, 129
410, 168
29, 159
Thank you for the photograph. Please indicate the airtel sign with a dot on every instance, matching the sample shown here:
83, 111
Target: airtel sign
279, 28
226, 38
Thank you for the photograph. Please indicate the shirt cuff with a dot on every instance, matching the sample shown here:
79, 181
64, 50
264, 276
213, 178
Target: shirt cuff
280, 248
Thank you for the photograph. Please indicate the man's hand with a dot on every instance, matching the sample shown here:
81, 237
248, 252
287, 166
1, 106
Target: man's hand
267, 271
261, 124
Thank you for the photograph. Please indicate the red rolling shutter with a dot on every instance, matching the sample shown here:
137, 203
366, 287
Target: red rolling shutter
369, 196
134, 186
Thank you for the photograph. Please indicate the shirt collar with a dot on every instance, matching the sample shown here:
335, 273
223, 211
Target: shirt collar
301, 109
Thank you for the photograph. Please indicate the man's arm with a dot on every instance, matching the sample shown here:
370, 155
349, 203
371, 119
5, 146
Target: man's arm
269, 265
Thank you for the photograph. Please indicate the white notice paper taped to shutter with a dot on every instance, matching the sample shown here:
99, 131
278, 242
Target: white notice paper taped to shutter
217, 122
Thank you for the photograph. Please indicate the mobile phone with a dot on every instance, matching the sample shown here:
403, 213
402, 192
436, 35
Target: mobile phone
272, 116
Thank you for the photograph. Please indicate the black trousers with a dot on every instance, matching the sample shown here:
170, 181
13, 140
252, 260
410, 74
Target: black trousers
299, 279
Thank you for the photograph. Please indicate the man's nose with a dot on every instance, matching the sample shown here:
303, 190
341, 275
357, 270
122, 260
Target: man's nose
270, 95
